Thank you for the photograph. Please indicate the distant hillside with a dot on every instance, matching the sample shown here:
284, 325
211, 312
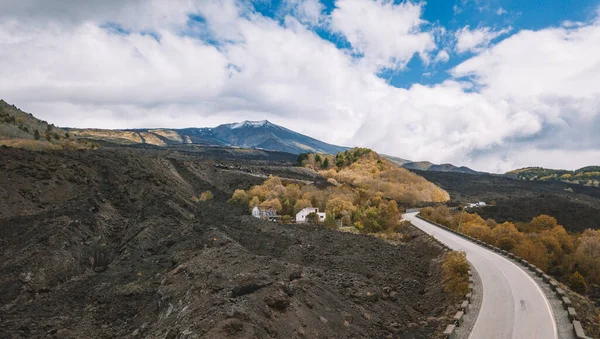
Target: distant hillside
396, 160
23, 130
589, 176
247, 134
427, 166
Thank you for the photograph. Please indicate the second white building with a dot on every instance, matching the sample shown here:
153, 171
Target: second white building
301, 216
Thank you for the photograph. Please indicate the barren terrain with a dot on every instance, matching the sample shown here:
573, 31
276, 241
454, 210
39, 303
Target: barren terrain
175, 268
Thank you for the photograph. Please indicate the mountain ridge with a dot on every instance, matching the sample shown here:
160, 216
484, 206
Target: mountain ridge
588, 175
428, 166
261, 134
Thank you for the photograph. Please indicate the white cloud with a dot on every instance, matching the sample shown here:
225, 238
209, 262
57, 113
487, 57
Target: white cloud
307, 11
475, 40
388, 34
501, 11
442, 56
532, 99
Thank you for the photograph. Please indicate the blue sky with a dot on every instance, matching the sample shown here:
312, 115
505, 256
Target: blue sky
490, 84
453, 15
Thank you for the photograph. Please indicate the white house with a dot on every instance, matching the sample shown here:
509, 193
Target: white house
477, 204
264, 213
301, 216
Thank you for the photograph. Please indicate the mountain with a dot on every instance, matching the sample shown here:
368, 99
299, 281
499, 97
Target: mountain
427, 166
247, 134
588, 176
16, 124
23, 130
396, 160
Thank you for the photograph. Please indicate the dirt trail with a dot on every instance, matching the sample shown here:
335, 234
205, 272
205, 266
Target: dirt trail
183, 269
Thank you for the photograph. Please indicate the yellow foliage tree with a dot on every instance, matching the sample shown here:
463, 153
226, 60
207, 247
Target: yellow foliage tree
339, 206
239, 197
506, 236
301, 204
255, 201
543, 222
273, 203
587, 255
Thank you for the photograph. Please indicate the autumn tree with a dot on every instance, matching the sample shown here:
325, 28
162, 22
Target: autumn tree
587, 255
255, 201
302, 204
506, 236
339, 206
239, 197
542, 222
272, 203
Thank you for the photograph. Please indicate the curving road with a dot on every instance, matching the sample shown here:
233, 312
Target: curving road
513, 305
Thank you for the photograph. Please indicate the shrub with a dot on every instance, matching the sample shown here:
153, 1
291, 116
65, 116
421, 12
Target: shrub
456, 274
286, 219
206, 196
239, 197
577, 283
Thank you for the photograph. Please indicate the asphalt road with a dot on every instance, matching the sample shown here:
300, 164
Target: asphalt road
513, 304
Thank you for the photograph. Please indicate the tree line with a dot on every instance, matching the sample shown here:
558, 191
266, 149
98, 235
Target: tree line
572, 258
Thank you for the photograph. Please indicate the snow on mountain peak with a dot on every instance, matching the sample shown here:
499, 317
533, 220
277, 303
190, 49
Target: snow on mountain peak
247, 123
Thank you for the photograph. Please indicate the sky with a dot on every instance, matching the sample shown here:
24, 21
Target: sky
490, 84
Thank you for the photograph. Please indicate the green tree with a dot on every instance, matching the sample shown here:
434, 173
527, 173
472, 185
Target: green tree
287, 208
36, 134
325, 163
302, 157
312, 218
330, 221
577, 283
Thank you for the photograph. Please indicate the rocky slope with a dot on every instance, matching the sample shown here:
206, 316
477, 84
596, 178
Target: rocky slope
164, 266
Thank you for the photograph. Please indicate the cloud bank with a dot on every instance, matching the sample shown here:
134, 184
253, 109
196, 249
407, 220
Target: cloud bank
530, 99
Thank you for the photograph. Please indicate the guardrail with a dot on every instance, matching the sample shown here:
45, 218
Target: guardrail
463, 308
560, 293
